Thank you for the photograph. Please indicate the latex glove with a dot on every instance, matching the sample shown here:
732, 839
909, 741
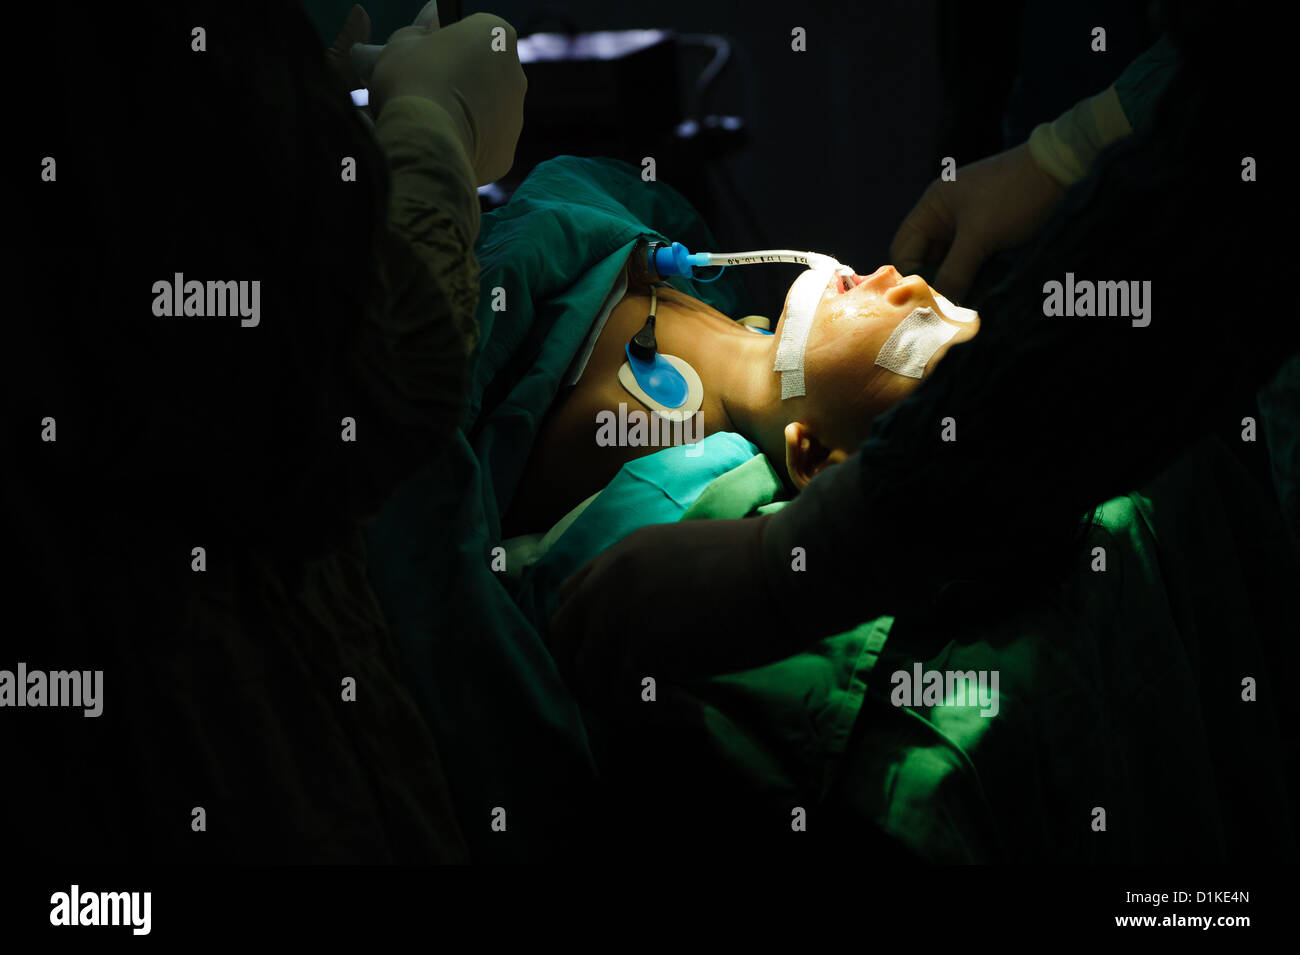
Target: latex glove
994, 204
364, 54
669, 601
355, 32
457, 68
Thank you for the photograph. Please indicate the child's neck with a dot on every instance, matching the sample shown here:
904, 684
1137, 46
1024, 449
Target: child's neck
736, 366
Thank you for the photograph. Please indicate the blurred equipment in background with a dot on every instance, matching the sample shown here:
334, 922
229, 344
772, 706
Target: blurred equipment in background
618, 93
608, 93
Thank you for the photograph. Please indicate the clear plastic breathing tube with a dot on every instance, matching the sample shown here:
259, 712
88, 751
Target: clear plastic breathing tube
659, 379
676, 259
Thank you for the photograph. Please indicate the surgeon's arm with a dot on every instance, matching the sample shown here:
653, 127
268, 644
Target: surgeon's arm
410, 358
450, 110
1054, 415
429, 268
1001, 202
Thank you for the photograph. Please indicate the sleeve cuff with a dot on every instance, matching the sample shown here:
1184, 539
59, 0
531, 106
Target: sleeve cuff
1066, 147
428, 162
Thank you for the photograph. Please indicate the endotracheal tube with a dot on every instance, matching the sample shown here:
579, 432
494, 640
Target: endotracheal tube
667, 383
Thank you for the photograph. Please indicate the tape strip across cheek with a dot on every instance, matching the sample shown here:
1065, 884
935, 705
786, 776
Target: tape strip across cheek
914, 342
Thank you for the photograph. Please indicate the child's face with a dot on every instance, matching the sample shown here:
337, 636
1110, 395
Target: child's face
853, 320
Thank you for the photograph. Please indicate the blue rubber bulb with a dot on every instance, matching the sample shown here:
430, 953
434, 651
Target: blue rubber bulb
659, 379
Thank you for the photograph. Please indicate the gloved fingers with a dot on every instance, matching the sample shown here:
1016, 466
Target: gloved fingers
428, 16
918, 255
958, 270
364, 56
908, 249
924, 231
355, 29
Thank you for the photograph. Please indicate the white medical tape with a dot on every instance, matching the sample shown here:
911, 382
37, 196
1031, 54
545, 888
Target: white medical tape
805, 295
914, 342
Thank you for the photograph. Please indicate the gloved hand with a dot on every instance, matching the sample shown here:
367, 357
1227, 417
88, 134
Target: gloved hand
669, 601
355, 32
364, 54
994, 204
457, 68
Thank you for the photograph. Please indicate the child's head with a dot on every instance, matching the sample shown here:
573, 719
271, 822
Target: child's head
846, 389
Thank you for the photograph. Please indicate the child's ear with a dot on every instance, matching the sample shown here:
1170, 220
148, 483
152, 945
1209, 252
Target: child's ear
805, 456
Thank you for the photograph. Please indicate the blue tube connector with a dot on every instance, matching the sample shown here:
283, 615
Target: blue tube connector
675, 259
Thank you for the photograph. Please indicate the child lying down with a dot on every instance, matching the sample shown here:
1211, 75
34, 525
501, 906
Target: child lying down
800, 436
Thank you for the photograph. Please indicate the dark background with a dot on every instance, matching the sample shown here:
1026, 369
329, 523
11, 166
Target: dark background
841, 140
